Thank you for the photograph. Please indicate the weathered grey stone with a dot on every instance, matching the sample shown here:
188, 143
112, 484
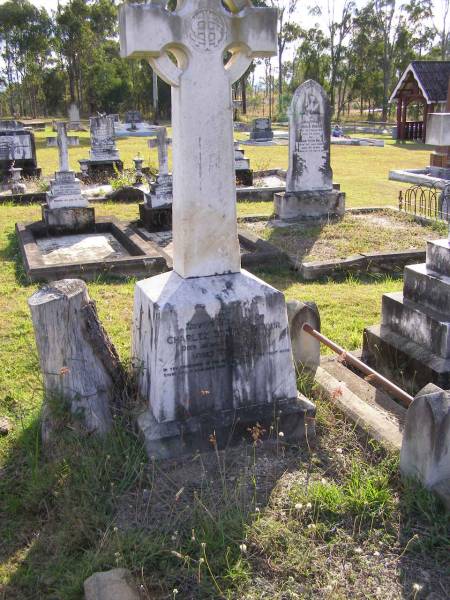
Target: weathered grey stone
438, 256
74, 117
309, 180
161, 190
103, 146
314, 205
261, 130
422, 325
17, 148
309, 140
68, 220
204, 190
305, 348
425, 453
438, 129
116, 584
65, 188
211, 344
79, 364
426, 287
398, 358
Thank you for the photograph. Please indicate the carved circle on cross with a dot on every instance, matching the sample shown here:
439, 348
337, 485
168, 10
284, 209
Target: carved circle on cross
208, 29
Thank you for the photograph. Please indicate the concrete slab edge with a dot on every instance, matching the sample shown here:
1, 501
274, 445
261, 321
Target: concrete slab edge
366, 417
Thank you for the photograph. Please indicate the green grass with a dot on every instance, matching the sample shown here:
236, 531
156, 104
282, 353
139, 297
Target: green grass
361, 171
216, 526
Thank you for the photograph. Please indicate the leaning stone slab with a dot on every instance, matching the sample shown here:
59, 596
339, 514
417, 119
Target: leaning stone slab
116, 584
80, 366
425, 453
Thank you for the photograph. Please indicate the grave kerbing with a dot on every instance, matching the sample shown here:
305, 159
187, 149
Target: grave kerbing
211, 342
309, 182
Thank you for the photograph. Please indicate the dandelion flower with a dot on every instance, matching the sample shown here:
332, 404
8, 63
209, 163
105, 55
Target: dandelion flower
298, 506
281, 434
243, 548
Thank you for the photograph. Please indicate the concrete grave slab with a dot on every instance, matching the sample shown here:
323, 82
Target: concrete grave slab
110, 248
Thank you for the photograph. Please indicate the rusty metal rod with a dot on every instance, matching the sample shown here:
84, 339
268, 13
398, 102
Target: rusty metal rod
393, 389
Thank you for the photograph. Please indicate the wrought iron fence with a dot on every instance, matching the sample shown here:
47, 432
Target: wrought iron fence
430, 202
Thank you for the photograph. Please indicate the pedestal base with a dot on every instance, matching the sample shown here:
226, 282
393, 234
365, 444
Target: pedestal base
295, 419
68, 220
156, 219
306, 206
102, 171
244, 177
211, 346
410, 365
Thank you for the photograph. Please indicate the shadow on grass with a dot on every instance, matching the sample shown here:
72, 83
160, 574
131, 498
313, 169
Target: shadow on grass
91, 505
282, 277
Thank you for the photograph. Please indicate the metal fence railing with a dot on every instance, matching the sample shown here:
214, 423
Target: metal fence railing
429, 202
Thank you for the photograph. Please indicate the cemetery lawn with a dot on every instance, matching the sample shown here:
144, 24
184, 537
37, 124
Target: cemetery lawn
329, 521
361, 171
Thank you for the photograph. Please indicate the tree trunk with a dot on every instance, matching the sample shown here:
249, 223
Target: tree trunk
244, 94
80, 366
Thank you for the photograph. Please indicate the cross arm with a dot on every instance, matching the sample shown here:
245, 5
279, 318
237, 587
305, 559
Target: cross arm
256, 28
146, 29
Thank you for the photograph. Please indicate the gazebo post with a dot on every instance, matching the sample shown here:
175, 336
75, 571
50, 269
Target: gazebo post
399, 119
425, 116
404, 132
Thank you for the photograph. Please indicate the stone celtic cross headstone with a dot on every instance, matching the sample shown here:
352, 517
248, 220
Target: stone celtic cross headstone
309, 181
211, 342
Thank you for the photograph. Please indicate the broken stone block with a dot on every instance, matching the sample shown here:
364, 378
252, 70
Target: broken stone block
305, 348
425, 453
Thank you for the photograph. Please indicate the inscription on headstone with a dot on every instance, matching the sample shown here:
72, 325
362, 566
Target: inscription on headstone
17, 146
309, 140
103, 146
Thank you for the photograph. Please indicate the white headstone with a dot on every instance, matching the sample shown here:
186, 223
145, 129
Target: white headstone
65, 188
309, 140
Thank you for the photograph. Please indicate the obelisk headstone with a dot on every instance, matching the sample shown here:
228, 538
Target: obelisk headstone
211, 342
309, 181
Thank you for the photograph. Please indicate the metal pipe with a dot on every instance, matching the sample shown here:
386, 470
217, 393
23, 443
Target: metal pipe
393, 389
